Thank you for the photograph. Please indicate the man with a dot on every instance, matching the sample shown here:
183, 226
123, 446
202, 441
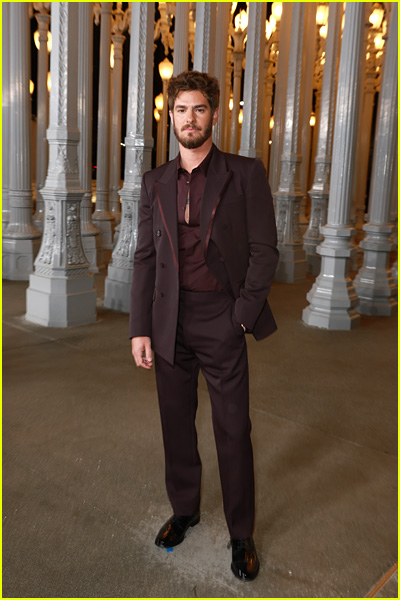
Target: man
205, 258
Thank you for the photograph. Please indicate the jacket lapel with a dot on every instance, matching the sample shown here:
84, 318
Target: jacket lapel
218, 177
166, 190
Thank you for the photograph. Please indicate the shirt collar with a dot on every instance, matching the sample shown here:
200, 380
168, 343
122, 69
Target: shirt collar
203, 166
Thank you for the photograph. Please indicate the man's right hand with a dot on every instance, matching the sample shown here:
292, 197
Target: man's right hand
141, 351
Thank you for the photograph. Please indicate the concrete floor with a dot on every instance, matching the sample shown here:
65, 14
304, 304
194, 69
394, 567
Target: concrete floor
83, 464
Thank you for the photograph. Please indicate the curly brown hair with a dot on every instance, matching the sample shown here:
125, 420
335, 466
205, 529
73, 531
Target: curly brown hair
189, 81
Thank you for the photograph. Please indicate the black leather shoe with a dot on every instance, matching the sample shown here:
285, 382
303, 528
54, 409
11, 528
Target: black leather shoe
245, 564
173, 531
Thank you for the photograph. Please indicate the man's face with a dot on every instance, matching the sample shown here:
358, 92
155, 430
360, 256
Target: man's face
192, 119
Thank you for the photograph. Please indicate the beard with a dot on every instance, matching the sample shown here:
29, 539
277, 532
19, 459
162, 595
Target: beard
197, 140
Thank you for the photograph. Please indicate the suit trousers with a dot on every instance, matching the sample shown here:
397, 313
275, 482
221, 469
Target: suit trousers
208, 338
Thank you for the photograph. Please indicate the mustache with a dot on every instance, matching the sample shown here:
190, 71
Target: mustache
191, 127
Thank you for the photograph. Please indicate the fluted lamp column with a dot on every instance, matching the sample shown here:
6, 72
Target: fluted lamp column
332, 298
165, 69
270, 59
204, 42
43, 44
374, 283
159, 105
5, 97
138, 144
319, 192
90, 234
292, 263
238, 34
102, 217
60, 292
251, 135
20, 239
181, 40
119, 25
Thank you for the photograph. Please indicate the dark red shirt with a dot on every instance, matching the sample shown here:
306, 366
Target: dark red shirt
194, 275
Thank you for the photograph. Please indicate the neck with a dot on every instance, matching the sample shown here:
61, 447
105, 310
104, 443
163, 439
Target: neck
192, 158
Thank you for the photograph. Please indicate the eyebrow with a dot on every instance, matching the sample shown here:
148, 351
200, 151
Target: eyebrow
187, 105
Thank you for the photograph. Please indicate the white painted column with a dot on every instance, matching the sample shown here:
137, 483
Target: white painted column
20, 239
5, 97
42, 147
90, 234
374, 283
332, 298
181, 52
60, 292
204, 42
221, 55
228, 79
280, 96
138, 144
115, 141
251, 138
371, 83
237, 56
270, 56
319, 192
102, 218
292, 263
394, 220
307, 85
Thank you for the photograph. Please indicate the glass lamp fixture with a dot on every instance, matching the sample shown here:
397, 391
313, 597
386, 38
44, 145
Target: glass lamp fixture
48, 81
379, 42
31, 86
323, 31
156, 115
312, 119
165, 68
276, 10
322, 14
112, 56
37, 40
241, 21
159, 102
376, 17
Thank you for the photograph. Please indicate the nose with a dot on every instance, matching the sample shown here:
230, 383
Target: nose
191, 116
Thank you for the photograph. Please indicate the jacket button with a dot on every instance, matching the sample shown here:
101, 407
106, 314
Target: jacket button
158, 233
162, 266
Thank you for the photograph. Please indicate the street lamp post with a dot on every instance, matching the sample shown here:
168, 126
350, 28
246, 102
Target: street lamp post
165, 69
238, 34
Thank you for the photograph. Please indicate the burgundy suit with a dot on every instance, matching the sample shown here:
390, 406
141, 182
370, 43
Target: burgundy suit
201, 330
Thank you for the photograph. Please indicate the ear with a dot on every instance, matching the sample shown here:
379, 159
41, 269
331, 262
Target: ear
171, 116
215, 116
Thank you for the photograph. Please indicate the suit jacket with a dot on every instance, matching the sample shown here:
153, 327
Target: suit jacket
238, 235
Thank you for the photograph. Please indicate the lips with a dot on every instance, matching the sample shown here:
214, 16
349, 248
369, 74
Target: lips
190, 128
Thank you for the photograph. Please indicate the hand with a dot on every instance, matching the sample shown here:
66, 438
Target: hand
141, 352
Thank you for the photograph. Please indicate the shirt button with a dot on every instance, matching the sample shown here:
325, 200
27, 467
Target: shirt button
158, 233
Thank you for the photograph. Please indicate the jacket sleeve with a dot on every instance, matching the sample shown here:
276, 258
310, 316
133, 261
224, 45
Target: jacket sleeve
262, 242
144, 269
